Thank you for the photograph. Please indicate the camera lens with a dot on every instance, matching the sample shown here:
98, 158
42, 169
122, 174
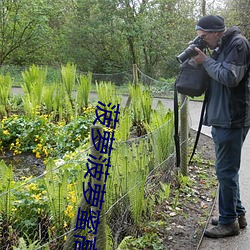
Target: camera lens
187, 53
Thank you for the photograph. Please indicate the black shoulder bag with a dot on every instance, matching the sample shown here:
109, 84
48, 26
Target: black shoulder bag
191, 81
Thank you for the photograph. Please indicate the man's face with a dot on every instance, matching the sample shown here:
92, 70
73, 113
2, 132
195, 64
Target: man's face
211, 38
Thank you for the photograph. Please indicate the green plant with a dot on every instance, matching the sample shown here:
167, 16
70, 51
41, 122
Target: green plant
43, 137
6, 196
30, 208
164, 192
147, 241
5, 90
34, 81
146, 102
129, 172
176, 199
184, 181
161, 128
83, 91
68, 74
48, 98
106, 92
29, 245
123, 130
57, 188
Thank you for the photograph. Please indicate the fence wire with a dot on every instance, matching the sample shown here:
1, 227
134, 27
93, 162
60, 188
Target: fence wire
38, 213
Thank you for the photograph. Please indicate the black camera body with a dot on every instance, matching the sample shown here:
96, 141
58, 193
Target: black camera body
190, 51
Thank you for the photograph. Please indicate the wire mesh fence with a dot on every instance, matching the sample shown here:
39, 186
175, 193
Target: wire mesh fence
39, 212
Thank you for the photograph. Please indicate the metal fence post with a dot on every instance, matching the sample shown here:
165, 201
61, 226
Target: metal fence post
184, 135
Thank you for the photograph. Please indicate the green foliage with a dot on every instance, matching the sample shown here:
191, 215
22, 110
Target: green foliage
43, 137
83, 91
161, 126
141, 110
51, 197
68, 74
23, 25
5, 90
6, 184
34, 81
48, 98
130, 169
147, 241
103, 36
22, 244
164, 192
106, 92
184, 181
31, 195
125, 123
56, 187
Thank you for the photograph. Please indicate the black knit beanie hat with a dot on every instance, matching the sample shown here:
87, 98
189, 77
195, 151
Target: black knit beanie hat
210, 23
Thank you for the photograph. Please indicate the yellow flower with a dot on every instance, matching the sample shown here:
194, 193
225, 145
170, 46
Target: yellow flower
14, 209
17, 152
6, 132
38, 155
37, 196
69, 211
31, 187
45, 151
73, 199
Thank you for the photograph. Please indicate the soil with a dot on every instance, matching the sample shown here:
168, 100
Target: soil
24, 164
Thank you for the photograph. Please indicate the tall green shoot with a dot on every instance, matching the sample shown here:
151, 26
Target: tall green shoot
48, 98
5, 90
6, 184
33, 86
106, 92
68, 74
161, 128
83, 91
56, 184
141, 110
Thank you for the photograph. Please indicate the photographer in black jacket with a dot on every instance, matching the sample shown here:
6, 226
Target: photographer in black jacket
228, 112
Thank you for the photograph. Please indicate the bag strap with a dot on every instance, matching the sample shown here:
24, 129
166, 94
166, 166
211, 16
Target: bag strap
199, 127
176, 126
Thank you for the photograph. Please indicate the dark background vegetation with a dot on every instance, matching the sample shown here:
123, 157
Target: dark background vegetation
107, 36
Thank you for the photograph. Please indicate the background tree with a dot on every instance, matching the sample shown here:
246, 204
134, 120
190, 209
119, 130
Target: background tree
104, 36
237, 13
21, 25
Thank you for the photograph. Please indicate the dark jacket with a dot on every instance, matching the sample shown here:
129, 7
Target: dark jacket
229, 90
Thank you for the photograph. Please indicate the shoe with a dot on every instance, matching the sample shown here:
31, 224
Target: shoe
241, 219
221, 231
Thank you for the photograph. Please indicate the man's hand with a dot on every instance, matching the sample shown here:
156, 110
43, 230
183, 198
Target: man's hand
200, 58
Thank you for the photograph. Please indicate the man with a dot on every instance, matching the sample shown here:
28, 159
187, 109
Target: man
228, 112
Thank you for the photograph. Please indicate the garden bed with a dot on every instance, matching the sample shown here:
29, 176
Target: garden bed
179, 221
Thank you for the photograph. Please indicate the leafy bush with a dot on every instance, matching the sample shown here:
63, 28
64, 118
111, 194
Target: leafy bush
41, 136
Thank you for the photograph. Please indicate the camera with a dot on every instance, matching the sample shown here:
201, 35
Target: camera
190, 51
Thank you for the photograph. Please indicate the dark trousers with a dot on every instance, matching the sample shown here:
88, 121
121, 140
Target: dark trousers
228, 145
